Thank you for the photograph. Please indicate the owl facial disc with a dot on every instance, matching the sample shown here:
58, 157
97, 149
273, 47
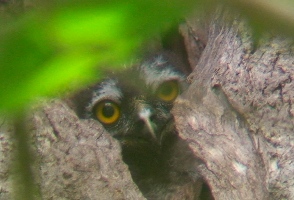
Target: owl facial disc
136, 102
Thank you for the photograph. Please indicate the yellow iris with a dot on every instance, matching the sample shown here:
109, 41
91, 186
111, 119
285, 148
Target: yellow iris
168, 91
107, 112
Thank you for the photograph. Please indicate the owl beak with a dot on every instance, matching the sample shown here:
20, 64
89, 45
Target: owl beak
144, 114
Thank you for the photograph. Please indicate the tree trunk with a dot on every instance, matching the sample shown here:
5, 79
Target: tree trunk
77, 159
237, 114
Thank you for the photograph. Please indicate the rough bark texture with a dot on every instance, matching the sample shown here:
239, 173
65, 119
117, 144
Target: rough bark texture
77, 159
74, 159
6, 144
237, 115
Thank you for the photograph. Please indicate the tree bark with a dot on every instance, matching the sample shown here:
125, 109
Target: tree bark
77, 158
237, 114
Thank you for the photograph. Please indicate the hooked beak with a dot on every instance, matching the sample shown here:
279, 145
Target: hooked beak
145, 114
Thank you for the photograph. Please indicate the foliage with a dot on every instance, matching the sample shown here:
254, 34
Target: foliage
62, 42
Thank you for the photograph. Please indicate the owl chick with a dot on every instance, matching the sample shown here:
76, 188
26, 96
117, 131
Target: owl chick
134, 106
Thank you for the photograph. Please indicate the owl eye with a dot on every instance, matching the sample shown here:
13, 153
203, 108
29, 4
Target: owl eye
107, 112
168, 91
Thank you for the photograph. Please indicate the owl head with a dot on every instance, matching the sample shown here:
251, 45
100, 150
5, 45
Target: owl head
136, 102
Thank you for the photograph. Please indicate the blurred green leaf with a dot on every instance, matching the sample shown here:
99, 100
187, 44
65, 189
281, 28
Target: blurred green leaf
63, 41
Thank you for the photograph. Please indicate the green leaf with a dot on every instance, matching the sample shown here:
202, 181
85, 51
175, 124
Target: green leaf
62, 42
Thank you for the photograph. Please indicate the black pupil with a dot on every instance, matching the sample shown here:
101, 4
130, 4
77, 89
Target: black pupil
108, 110
166, 89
